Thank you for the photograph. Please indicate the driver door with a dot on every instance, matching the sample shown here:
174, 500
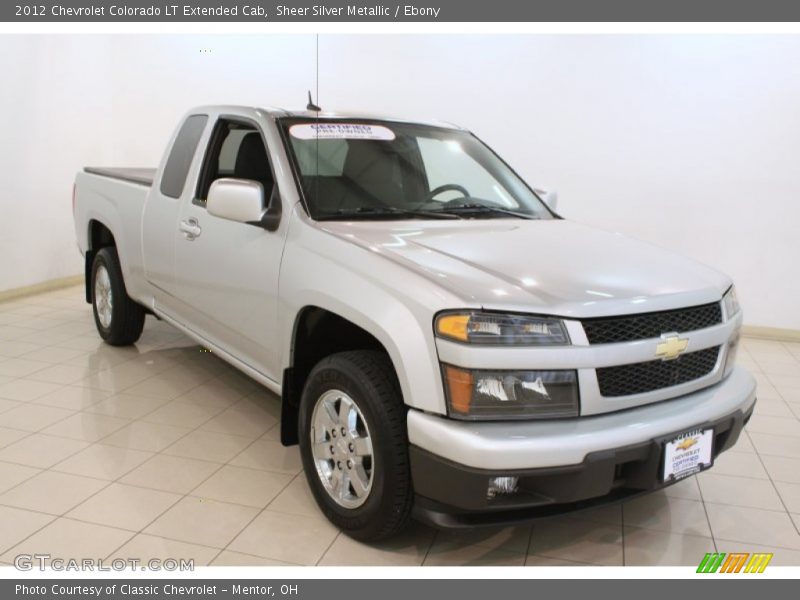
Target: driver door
226, 272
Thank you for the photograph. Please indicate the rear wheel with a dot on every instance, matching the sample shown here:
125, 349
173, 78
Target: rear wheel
119, 320
354, 444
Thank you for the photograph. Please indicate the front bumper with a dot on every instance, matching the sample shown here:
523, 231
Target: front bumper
563, 465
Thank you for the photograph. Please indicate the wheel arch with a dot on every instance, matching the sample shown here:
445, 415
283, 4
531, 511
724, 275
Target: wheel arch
99, 236
318, 332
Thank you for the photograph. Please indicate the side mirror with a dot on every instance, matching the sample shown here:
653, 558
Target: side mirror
242, 200
549, 197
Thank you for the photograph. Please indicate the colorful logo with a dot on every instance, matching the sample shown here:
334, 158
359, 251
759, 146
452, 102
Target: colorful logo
671, 347
687, 443
735, 562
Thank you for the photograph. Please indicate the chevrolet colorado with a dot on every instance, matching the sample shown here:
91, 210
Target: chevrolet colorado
445, 345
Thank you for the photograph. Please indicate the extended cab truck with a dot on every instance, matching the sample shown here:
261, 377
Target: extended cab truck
445, 345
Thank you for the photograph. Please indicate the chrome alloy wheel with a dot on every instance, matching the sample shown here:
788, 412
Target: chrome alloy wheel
103, 298
342, 449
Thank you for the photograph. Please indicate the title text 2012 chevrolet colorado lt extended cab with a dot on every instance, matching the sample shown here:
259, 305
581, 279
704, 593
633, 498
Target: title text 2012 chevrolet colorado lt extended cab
444, 344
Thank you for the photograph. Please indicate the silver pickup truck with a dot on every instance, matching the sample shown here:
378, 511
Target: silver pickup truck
445, 345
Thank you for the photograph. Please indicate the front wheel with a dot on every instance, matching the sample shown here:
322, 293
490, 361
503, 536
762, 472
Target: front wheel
119, 320
354, 444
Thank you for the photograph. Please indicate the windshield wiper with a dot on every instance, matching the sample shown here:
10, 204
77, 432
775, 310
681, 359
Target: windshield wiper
474, 207
371, 212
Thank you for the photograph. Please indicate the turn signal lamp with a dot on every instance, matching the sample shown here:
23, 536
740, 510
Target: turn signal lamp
501, 329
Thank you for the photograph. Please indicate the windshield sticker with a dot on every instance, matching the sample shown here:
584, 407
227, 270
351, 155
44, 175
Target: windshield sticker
340, 131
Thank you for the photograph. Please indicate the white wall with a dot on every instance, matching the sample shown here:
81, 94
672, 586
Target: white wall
690, 142
54, 117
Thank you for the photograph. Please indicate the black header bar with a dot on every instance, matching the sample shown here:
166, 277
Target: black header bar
355, 11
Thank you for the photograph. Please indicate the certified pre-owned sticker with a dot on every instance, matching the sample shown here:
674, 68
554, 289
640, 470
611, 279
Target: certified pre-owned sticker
340, 131
687, 454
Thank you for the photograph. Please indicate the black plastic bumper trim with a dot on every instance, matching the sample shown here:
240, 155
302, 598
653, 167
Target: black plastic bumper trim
451, 495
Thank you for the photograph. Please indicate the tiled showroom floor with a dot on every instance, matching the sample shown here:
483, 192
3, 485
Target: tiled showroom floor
163, 450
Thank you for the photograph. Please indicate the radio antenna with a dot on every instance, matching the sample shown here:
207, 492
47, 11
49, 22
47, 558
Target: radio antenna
311, 105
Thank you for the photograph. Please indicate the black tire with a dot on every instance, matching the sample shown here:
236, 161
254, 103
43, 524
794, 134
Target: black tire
127, 317
370, 381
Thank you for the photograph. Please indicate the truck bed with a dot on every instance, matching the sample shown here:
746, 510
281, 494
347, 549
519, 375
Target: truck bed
133, 175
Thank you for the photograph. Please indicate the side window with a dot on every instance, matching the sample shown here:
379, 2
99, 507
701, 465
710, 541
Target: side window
236, 150
229, 150
180, 157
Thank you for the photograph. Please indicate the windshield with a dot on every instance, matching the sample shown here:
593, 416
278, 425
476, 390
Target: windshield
385, 170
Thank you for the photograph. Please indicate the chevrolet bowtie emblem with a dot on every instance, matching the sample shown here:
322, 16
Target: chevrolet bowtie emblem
686, 444
671, 347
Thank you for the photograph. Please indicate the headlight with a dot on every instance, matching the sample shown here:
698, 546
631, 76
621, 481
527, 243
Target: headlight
731, 303
493, 394
500, 329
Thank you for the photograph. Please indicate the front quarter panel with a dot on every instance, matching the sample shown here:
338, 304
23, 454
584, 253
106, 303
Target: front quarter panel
389, 301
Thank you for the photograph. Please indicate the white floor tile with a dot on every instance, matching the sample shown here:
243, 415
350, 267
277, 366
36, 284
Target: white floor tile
144, 547
227, 558
87, 427
739, 491
12, 475
171, 473
270, 455
664, 513
582, 541
25, 390
782, 469
739, 464
201, 521
776, 445
407, 549
208, 445
18, 524
33, 417
124, 506
68, 539
52, 492
752, 525
9, 436
140, 435
238, 485
103, 462
291, 538
72, 398
41, 451
645, 547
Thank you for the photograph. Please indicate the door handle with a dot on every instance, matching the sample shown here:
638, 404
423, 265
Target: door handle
190, 228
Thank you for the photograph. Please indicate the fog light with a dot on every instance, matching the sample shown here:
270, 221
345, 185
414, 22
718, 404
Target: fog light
501, 485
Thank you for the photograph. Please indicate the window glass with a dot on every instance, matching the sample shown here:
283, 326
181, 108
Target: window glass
324, 157
180, 157
442, 158
230, 149
236, 150
381, 169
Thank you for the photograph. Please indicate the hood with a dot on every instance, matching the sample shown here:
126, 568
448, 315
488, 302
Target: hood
553, 267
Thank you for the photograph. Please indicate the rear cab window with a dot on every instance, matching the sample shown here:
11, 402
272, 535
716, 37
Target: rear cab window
173, 179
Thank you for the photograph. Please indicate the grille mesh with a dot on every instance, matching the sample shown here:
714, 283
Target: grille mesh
606, 330
642, 377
